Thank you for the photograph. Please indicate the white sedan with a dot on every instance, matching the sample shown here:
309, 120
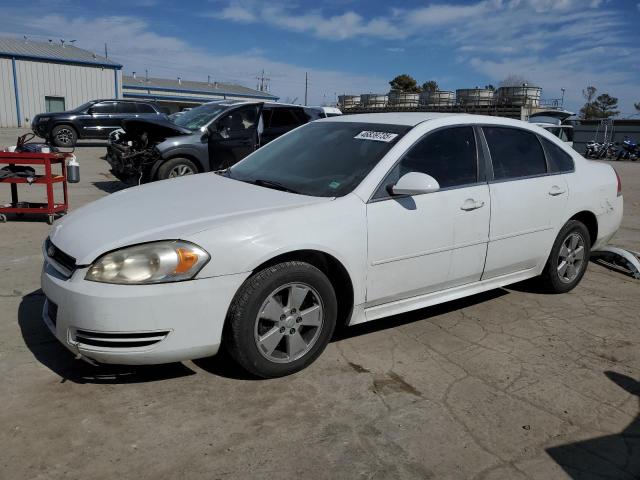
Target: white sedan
341, 221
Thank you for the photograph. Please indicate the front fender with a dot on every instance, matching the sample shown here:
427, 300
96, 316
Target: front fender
335, 227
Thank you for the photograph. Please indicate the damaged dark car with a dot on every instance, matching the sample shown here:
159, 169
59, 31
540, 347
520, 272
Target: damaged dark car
211, 137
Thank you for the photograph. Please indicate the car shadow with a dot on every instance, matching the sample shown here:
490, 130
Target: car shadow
394, 321
110, 186
91, 143
49, 352
610, 456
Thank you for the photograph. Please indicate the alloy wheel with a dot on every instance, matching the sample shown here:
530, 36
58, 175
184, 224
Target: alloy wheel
571, 257
180, 171
289, 322
65, 136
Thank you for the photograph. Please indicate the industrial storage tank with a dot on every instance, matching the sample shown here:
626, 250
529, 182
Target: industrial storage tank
374, 100
403, 99
519, 96
349, 101
437, 98
475, 96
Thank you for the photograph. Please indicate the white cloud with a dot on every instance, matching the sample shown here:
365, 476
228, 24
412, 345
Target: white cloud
134, 44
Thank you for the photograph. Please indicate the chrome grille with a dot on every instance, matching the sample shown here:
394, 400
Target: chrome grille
119, 340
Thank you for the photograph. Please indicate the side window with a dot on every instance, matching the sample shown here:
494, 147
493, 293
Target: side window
104, 107
558, 159
242, 120
448, 155
515, 153
126, 107
145, 108
283, 118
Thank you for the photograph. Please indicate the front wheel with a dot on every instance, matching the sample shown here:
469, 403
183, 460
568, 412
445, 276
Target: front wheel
64, 136
568, 259
281, 319
176, 167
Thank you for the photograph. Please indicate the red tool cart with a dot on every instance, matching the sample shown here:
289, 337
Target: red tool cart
50, 208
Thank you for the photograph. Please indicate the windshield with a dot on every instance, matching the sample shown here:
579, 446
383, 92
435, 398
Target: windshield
200, 116
322, 159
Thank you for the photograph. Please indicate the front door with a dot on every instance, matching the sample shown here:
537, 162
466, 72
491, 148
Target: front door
425, 243
234, 137
527, 203
100, 120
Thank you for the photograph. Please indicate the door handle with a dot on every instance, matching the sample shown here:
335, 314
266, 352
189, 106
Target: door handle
471, 204
556, 190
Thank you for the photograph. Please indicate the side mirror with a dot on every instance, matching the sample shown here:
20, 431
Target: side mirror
90, 111
415, 183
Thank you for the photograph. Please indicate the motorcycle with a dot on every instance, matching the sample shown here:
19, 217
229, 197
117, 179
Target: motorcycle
629, 150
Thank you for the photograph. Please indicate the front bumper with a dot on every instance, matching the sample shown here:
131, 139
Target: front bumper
137, 324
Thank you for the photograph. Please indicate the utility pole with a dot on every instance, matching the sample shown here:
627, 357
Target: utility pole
263, 83
106, 54
306, 87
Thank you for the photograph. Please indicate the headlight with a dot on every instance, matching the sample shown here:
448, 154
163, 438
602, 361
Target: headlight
156, 262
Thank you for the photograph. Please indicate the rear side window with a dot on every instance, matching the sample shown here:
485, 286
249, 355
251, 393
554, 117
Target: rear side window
558, 159
448, 155
126, 107
145, 108
515, 153
284, 117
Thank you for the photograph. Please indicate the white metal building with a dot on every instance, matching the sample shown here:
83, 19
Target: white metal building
178, 94
38, 77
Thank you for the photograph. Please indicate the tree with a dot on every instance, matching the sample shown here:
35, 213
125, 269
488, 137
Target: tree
587, 111
605, 106
514, 80
637, 105
430, 86
490, 87
405, 83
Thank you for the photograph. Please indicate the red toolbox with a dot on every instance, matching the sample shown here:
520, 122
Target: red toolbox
48, 160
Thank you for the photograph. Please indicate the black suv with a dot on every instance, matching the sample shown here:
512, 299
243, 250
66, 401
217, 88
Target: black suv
93, 120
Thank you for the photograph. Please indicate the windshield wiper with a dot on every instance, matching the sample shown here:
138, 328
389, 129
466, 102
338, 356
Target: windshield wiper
271, 184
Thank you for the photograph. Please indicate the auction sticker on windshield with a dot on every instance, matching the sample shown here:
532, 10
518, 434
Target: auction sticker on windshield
377, 136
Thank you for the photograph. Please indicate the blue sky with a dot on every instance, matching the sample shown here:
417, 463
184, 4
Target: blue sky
351, 46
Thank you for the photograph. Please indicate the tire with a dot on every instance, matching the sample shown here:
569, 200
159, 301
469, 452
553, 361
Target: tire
176, 167
64, 136
264, 337
561, 274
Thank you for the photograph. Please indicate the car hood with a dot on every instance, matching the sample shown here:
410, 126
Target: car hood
162, 127
165, 210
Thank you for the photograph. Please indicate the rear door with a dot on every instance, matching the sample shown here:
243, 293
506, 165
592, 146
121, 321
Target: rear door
126, 110
528, 202
232, 144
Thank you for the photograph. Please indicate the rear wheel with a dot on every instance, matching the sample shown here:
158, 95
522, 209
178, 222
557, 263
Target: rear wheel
281, 319
176, 167
568, 259
64, 136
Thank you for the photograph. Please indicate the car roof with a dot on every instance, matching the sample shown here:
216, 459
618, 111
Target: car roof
411, 119
127, 100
